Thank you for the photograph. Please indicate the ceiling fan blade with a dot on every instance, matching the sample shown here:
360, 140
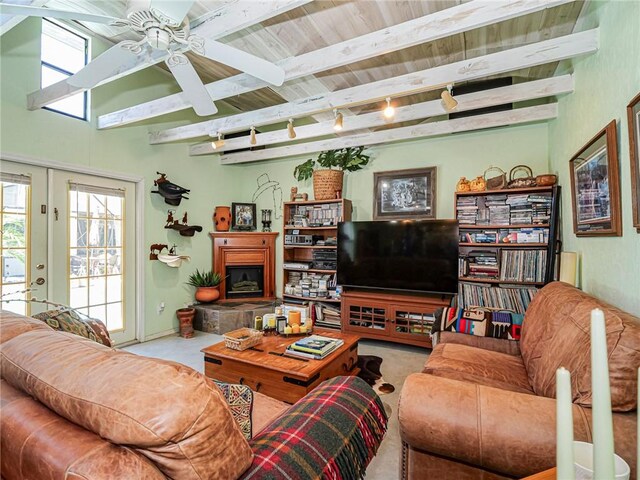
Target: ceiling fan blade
243, 61
9, 9
191, 85
176, 10
112, 62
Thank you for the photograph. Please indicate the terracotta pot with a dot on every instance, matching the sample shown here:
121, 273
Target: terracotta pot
222, 218
185, 316
326, 183
207, 294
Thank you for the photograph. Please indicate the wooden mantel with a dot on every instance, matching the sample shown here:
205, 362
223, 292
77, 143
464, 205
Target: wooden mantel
246, 248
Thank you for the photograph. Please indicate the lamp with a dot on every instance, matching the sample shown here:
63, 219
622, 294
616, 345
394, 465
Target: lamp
218, 143
448, 101
292, 132
253, 139
337, 125
389, 111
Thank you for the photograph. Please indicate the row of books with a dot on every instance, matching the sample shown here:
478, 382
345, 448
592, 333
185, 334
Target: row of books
506, 235
523, 265
507, 209
314, 346
516, 298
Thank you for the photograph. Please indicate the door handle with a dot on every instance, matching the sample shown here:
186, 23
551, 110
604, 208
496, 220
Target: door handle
40, 281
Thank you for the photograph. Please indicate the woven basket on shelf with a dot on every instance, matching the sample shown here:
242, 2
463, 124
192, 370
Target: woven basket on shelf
242, 338
326, 183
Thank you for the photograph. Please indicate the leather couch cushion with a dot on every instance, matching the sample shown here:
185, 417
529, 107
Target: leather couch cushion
476, 365
170, 413
556, 333
265, 411
12, 325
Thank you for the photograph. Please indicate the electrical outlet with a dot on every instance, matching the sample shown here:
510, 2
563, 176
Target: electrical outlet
160, 308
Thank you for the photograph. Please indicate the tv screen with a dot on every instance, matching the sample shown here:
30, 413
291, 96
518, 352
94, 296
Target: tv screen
419, 256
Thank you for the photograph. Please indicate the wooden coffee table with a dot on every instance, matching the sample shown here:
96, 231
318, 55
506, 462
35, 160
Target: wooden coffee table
264, 368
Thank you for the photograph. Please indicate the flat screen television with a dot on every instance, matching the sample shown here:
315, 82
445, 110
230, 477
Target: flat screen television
416, 256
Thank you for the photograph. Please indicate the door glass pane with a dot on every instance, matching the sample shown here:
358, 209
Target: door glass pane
95, 222
14, 212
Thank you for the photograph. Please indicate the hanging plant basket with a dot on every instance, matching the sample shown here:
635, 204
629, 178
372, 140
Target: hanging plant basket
326, 183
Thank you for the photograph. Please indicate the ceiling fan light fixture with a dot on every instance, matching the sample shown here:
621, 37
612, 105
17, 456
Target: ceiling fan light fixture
389, 111
337, 125
253, 139
158, 38
292, 132
448, 101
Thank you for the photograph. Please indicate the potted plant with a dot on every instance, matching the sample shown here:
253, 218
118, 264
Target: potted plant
207, 285
327, 180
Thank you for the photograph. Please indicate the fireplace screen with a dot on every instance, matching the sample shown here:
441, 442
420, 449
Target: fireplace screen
244, 281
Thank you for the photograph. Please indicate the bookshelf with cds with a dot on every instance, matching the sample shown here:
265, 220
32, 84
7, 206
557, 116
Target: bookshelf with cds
508, 245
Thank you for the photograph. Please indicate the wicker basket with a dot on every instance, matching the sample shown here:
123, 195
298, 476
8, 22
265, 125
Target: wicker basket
326, 183
498, 182
242, 338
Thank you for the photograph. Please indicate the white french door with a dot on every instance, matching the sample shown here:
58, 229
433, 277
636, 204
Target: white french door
69, 238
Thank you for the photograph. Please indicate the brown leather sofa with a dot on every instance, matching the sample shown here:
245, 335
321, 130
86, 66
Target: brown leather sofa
71, 408
484, 408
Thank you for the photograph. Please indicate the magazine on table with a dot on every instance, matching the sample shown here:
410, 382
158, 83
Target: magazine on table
316, 344
290, 351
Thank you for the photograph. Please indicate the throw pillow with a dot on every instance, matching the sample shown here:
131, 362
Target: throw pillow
240, 400
479, 321
68, 320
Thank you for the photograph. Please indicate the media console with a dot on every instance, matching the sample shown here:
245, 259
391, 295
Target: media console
393, 317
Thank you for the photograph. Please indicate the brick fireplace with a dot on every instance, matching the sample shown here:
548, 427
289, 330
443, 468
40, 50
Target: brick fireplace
247, 261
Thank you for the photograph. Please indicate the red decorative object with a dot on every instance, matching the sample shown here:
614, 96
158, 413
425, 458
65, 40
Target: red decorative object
185, 316
207, 294
221, 218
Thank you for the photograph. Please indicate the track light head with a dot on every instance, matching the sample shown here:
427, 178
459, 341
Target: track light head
252, 139
389, 111
448, 101
337, 125
292, 132
218, 143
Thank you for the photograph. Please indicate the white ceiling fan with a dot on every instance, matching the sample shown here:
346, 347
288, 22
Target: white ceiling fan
163, 26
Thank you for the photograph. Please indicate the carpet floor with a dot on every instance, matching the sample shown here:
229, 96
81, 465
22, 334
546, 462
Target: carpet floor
398, 362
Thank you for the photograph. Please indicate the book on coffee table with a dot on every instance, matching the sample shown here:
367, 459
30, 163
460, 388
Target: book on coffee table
315, 344
290, 351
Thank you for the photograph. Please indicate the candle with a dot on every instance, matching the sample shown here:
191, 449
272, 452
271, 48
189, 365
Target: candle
303, 329
294, 317
568, 267
287, 330
564, 425
603, 466
258, 323
295, 328
272, 322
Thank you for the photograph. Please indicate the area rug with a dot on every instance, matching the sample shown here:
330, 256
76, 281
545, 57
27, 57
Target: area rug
369, 366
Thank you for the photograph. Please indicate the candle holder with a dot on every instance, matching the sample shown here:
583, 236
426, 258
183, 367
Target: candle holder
266, 220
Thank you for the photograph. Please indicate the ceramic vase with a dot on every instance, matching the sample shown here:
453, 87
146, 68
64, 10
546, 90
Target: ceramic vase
207, 294
222, 218
185, 316
462, 185
477, 185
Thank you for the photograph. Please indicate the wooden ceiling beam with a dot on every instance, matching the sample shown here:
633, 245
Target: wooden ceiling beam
472, 101
441, 24
7, 22
445, 127
228, 19
506, 61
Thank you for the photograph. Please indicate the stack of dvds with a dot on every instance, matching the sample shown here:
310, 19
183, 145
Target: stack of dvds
467, 209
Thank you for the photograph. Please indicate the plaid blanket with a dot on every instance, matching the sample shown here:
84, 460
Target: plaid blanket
479, 321
332, 433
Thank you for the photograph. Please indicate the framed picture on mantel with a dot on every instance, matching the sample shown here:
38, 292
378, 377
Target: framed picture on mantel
633, 116
595, 186
405, 194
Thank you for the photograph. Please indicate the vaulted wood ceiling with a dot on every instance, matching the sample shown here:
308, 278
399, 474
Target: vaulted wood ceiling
321, 23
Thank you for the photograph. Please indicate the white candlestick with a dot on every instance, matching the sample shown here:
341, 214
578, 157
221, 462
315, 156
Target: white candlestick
603, 464
564, 426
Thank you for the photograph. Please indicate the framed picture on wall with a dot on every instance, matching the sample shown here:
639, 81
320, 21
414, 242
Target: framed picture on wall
595, 186
243, 216
633, 117
405, 194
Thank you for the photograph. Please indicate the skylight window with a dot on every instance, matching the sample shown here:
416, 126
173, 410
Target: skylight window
63, 53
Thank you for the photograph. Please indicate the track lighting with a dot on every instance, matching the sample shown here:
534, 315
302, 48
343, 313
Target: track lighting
389, 111
292, 132
337, 125
448, 101
253, 139
218, 143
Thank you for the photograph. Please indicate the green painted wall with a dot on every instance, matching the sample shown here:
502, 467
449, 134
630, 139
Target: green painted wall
467, 154
605, 83
48, 135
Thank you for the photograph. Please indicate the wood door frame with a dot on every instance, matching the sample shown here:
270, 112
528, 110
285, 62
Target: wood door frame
139, 248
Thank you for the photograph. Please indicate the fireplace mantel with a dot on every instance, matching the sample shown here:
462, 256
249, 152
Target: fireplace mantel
237, 249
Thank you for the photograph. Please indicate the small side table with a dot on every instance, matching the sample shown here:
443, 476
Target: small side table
546, 475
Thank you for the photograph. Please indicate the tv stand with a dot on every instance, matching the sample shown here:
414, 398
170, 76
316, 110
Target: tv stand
395, 317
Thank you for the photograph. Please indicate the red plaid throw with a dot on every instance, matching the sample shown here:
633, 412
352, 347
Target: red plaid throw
332, 433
